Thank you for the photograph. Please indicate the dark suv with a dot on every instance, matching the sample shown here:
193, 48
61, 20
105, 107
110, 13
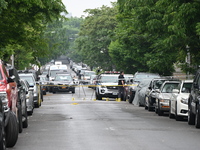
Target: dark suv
194, 102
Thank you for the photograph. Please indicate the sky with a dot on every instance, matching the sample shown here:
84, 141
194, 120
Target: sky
76, 7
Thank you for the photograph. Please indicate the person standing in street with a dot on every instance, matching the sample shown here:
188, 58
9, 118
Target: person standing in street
121, 83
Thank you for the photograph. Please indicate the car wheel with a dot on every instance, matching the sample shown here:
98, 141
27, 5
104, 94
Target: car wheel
3, 136
156, 110
130, 100
20, 119
197, 118
177, 117
149, 106
170, 114
191, 116
25, 123
98, 96
160, 112
12, 130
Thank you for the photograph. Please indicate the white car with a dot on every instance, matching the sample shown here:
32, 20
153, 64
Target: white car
179, 100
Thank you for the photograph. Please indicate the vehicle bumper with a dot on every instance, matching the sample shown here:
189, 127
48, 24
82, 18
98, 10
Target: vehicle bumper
63, 88
29, 104
109, 93
164, 106
182, 110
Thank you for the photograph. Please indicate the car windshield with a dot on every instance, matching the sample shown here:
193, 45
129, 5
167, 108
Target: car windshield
186, 88
106, 79
63, 78
168, 87
157, 84
29, 79
53, 73
140, 77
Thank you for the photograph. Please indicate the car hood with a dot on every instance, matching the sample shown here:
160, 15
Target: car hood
184, 95
165, 95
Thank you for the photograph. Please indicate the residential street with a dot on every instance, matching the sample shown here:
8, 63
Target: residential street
78, 122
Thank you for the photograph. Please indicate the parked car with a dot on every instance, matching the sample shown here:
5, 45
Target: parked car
163, 96
107, 86
37, 94
29, 96
44, 82
150, 99
179, 100
2, 127
137, 78
63, 82
9, 98
85, 78
194, 102
141, 92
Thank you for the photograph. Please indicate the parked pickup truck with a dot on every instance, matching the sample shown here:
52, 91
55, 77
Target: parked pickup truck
9, 98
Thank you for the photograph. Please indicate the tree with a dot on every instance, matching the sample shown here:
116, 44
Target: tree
23, 23
156, 32
95, 37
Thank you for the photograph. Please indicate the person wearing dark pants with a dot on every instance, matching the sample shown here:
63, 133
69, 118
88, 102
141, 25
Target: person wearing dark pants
121, 83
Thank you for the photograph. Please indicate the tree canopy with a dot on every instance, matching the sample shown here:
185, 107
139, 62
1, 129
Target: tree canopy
23, 23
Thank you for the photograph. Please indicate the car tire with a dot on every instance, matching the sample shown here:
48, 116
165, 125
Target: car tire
191, 116
149, 107
177, 117
160, 112
12, 130
130, 100
20, 119
156, 110
98, 96
197, 118
170, 114
3, 136
25, 123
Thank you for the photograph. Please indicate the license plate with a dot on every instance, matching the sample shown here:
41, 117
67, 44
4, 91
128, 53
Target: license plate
63, 87
114, 93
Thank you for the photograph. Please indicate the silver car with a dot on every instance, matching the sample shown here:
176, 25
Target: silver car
163, 96
29, 97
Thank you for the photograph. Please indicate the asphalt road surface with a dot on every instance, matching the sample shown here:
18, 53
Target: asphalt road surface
78, 122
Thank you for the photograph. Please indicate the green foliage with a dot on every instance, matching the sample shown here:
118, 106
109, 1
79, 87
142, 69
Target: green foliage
95, 37
154, 33
23, 23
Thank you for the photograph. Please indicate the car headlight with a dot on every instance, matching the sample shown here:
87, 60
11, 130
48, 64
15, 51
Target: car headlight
4, 99
184, 100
